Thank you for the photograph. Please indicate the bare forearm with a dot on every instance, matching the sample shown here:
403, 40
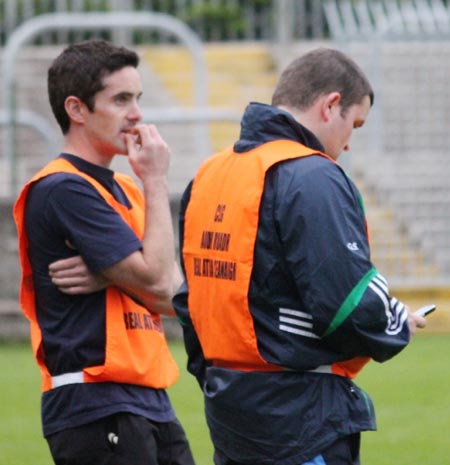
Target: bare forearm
153, 303
148, 274
73, 277
158, 242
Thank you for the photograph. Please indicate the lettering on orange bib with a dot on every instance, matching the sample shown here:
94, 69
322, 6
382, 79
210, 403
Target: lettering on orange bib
221, 225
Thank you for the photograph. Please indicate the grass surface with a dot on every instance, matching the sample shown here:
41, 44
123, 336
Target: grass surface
411, 395
412, 401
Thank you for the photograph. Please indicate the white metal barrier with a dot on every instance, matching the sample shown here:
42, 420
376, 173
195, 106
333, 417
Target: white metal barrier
91, 21
364, 19
34, 121
409, 68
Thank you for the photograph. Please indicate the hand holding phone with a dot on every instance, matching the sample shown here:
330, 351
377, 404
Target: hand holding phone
425, 310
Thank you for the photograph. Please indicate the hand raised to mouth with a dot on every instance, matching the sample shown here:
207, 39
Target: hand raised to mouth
148, 153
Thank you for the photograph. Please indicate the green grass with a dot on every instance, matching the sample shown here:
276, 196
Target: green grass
411, 395
412, 399
187, 400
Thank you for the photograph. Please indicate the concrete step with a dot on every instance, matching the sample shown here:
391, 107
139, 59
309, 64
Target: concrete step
237, 74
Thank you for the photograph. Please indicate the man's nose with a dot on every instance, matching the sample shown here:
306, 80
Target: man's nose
135, 113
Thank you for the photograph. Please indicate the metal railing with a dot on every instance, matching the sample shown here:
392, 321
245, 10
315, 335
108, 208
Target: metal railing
408, 67
212, 20
89, 21
393, 19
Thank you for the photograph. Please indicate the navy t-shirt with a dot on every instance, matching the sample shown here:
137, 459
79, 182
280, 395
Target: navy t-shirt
66, 216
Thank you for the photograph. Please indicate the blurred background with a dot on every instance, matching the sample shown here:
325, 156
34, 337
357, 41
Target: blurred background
203, 61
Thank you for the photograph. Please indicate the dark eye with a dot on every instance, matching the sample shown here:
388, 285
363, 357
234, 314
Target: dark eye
122, 98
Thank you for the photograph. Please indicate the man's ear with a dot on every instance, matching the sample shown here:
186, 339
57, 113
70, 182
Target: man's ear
330, 104
75, 109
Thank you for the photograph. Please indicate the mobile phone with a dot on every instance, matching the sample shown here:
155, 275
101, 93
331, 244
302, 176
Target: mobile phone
425, 310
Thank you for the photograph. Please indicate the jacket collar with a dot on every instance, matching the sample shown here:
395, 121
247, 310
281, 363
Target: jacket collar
263, 123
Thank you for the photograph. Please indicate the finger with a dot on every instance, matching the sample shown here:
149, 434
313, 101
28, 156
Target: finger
150, 135
139, 132
421, 322
153, 131
62, 268
156, 137
68, 281
73, 290
76, 272
64, 263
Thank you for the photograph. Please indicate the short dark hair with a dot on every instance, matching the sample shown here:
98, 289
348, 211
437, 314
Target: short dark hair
79, 70
320, 72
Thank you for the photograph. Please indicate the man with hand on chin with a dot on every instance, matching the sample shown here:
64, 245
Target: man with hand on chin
97, 336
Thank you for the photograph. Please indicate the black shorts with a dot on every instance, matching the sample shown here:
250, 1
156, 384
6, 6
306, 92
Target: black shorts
122, 439
345, 451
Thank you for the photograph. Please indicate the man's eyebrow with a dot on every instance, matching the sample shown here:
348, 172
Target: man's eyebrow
126, 93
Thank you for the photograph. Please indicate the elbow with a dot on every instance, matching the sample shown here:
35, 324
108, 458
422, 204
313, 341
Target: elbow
159, 295
162, 289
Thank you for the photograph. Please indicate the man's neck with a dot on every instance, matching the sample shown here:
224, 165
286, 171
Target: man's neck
86, 151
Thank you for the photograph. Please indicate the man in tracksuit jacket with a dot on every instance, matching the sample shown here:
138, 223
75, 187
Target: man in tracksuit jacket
281, 305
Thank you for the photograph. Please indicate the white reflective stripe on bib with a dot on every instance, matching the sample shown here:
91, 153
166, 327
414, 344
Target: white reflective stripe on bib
67, 378
322, 369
